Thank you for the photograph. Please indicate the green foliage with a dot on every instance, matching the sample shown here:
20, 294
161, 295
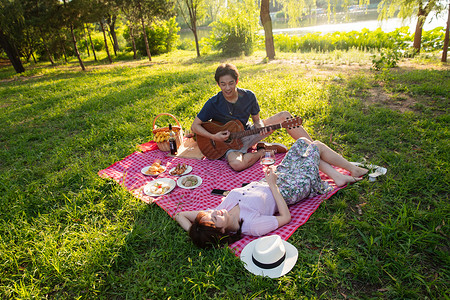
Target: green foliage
234, 33
66, 233
433, 39
162, 37
388, 59
399, 39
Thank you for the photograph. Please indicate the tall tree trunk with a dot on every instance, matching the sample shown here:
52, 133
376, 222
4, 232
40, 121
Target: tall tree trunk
86, 40
133, 42
92, 44
445, 50
112, 31
421, 16
46, 48
147, 47
11, 50
267, 24
63, 47
197, 46
106, 41
193, 26
112, 42
75, 48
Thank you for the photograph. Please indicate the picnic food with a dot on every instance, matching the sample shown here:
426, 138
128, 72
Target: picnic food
159, 188
155, 168
189, 181
161, 136
179, 169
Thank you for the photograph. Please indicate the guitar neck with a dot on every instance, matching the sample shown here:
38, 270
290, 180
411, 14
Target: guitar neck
236, 135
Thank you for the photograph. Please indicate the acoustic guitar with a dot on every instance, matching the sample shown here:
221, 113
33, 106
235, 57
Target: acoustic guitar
214, 149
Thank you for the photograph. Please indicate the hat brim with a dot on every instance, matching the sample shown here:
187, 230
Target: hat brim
285, 267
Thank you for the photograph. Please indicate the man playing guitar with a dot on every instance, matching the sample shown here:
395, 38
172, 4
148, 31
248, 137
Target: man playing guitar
233, 103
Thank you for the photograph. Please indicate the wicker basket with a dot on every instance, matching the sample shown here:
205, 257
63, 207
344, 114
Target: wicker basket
164, 146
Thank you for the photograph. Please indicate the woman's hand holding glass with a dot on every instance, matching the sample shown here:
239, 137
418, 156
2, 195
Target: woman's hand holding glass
268, 159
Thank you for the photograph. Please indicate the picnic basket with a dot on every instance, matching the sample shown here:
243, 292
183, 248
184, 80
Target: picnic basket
164, 146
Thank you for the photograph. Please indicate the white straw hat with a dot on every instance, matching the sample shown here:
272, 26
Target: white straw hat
269, 256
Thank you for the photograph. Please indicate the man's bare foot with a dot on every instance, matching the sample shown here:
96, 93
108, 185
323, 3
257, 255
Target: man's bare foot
358, 171
345, 179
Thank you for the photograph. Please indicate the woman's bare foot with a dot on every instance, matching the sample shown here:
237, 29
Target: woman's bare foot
358, 171
345, 179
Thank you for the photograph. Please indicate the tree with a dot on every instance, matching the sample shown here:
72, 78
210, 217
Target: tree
267, 25
445, 50
148, 11
11, 29
71, 15
407, 9
195, 11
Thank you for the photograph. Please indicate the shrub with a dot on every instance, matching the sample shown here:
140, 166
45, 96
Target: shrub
234, 34
399, 39
162, 37
388, 59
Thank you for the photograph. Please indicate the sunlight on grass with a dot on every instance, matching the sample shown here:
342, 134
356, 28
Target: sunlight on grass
66, 233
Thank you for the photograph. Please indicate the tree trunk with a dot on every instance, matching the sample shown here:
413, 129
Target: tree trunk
267, 24
63, 46
75, 48
197, 47
444, 52
46, 48
112, 42
106, 41
112, 30
86, 40
147, 47
193, 26
92, 44
133, 42
11, 50
421, 16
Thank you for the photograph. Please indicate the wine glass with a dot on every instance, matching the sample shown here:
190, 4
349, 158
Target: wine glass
269, 158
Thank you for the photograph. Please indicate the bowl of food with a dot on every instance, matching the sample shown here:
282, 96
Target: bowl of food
189, 181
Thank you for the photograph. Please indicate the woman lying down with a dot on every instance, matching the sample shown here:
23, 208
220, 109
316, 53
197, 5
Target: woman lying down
261, 207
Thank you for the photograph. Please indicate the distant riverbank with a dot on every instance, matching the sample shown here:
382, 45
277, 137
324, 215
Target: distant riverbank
338, 22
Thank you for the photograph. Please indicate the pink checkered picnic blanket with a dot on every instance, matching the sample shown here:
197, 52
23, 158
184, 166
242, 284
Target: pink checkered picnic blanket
215, 174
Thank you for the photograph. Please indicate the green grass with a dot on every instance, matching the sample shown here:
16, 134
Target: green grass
66, 233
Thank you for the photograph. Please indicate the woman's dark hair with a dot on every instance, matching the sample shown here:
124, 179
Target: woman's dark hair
226, 69
205, 234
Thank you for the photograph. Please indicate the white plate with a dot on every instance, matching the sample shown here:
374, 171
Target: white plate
187, 171
199, 181
145, 169
168, 181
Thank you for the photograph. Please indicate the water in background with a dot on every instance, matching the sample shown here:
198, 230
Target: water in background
355, 21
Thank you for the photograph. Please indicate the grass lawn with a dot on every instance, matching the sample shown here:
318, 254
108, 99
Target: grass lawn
65, 233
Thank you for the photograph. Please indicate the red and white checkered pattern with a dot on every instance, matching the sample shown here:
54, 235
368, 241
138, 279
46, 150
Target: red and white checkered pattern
215, 174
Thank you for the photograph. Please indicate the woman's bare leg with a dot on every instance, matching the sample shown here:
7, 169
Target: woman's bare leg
331, 157
338, 178
328, 157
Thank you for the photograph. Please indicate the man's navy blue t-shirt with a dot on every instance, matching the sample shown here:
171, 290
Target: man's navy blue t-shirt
217, 108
